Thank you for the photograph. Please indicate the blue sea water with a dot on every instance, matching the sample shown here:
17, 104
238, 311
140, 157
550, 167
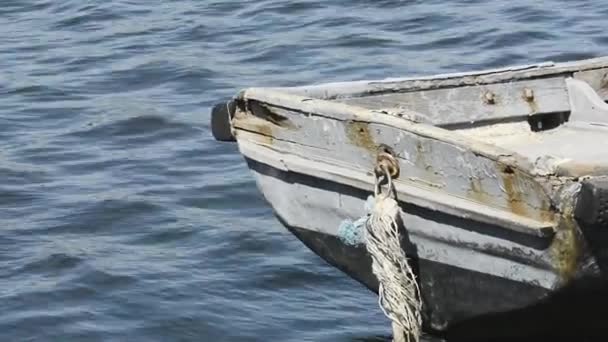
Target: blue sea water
121, 219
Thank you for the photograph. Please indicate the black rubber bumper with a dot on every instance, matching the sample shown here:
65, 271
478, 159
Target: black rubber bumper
220, 121
592, 205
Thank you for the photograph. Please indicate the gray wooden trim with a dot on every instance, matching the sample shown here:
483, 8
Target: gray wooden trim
434, 200
316, 208
470, 104
344, 112
513, 73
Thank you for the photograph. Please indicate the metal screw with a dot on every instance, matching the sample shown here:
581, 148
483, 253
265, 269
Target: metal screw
528, 94
489, 97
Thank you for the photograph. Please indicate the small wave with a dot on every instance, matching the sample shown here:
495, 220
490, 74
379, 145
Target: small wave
530, 13
217, 197
284, 8
23, 174
104, 217
44, 93
16, 198
86, 18
135, 130
517, 38
51, 264
102, 280
363, 40
165, 236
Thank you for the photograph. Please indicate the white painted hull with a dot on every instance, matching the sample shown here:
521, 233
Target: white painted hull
309, 204
322, 210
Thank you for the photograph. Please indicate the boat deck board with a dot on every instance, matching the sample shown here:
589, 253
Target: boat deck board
583, 143
463, 105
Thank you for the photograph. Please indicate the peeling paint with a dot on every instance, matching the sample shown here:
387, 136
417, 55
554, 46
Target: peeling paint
265, 113
264, 131
253, 124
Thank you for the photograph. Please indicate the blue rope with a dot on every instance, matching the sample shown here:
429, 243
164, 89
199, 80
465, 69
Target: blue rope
351, 232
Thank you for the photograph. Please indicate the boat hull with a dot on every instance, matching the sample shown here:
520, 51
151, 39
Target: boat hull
464, 305
450, 294
457, 282
459, 303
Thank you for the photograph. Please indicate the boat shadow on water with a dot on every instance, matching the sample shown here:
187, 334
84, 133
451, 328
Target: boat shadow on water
575, 313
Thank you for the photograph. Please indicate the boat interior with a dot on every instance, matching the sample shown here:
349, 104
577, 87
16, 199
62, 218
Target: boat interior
557, 118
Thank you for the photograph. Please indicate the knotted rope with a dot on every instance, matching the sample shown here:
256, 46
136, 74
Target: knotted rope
399, 295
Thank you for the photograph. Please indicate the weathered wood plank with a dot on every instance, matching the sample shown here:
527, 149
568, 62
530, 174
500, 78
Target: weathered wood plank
597, 79
320, 209
288, 156
494, 102
342, 112
425, 162
508, 74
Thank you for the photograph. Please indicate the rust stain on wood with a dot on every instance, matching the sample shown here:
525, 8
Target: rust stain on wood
566, 249
476, 191
514, 198
516, 185
358, 134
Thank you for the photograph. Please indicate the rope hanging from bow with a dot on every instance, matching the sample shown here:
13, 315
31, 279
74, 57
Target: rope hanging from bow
399, 294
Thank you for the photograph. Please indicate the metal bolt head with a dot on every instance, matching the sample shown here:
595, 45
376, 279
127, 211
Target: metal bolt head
528, 94
489, 97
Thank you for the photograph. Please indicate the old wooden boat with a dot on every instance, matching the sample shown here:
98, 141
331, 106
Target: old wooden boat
503, 178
